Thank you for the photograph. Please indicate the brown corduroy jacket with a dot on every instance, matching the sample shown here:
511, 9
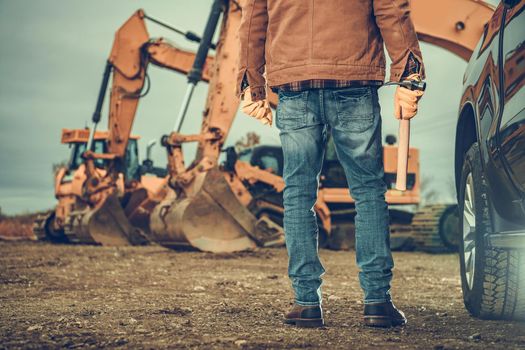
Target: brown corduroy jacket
282, 41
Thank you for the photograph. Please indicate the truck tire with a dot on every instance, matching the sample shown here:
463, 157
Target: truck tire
490, 277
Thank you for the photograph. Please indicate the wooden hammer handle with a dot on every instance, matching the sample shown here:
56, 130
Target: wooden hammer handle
402, 154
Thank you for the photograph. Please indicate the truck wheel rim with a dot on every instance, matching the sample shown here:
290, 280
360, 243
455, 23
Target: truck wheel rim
469, 231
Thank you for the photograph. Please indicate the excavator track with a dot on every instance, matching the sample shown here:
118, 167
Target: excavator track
435, 228
39, 226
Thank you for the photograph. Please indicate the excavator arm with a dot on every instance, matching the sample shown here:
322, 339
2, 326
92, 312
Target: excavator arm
132, 52
206, 212
130, 56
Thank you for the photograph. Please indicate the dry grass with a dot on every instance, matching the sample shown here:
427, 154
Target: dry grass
16, 227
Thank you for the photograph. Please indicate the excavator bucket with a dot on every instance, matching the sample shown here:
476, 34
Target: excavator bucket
212, 219
106, 224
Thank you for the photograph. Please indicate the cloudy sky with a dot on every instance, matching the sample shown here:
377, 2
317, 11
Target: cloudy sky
51, 62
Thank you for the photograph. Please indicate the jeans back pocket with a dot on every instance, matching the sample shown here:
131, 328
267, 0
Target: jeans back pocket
291, 110
354, 106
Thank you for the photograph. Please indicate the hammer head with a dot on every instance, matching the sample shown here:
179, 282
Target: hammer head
414, 85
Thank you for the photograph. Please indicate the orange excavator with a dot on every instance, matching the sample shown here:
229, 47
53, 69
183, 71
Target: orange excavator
59, 224
205, 210
235, 206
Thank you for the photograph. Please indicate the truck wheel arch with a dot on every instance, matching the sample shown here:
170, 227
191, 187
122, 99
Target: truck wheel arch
466, 135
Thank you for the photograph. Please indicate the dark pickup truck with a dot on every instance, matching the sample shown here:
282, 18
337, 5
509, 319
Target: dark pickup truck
490, 168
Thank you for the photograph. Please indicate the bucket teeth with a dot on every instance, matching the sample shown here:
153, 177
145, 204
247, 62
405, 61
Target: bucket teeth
106, 224
267, 233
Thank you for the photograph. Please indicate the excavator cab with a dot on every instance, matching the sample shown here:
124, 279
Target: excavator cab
131, 161
78, 144
78, 149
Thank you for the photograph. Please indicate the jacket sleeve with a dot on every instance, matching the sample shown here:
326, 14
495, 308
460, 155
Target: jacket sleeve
398, 32
252, 36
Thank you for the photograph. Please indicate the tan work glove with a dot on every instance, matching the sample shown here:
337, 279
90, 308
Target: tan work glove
258, 109
405, 100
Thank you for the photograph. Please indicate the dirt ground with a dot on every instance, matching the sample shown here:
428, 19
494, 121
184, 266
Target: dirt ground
151, 297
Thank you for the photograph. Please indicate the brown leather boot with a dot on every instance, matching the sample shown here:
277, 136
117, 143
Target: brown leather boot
383, 315
305, 316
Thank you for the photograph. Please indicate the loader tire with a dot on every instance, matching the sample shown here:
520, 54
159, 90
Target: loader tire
490, 279
44, 231
55, 236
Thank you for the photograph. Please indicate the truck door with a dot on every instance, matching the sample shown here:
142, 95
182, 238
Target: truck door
512, 124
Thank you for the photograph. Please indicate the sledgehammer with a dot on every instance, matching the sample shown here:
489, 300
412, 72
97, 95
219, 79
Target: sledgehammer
404, 136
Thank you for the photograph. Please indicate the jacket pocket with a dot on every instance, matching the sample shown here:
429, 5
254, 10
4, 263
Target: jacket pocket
291, 110
354, 106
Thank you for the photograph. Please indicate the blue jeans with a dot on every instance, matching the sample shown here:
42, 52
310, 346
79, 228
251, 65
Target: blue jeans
353, 117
